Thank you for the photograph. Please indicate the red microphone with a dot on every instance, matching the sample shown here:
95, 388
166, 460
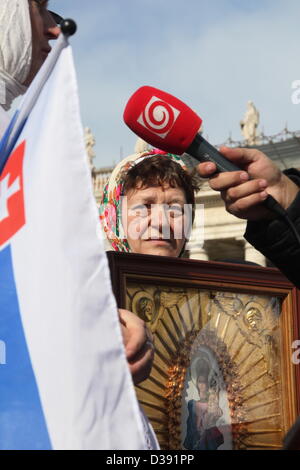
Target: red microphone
169, 124
161, 119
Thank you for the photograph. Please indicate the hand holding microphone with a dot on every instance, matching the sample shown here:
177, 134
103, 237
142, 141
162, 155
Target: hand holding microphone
169, 124
242, 195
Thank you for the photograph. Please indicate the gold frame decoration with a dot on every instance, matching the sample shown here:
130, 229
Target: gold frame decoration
222, 376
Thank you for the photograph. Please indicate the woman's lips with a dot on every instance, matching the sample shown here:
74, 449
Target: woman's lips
157, 241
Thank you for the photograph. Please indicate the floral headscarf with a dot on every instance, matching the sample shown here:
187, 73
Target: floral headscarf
110, 207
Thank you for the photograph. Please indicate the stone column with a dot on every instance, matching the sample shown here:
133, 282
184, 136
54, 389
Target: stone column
196, 246
197, 251
251, 254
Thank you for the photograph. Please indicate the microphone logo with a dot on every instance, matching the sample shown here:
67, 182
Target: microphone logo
159, 117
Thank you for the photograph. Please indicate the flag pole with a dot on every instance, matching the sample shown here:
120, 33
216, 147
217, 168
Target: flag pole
18, 121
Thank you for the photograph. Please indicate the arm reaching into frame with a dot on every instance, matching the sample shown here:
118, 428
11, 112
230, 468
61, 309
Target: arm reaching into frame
243, 193
243, 196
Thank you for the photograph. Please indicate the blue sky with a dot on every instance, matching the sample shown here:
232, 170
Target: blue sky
215, 55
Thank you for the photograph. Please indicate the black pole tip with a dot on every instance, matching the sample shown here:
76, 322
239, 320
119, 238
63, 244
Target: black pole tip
68, 27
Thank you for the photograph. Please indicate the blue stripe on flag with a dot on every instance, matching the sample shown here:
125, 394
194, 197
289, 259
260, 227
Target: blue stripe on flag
22, 422
4, 141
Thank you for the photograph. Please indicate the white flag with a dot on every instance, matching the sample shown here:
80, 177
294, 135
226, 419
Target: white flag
64, 379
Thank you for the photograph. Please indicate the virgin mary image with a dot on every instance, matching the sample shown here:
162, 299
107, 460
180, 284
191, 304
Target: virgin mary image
202, 432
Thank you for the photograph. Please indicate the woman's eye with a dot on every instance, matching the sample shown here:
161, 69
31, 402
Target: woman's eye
175, 211
139, 211
42, 4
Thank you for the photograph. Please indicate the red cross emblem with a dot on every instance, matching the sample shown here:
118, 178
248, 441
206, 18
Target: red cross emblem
12, 213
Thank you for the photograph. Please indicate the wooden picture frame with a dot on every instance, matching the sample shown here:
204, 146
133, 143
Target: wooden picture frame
223, 375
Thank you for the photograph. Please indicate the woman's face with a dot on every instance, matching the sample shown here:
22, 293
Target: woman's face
43, 29
154, 219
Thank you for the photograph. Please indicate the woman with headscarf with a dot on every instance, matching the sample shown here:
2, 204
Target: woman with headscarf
148, 205
26, 29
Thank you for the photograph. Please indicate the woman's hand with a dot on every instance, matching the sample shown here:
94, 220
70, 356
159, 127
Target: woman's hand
138, 343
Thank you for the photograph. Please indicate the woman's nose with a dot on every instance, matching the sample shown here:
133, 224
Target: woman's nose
160, 219
52, 30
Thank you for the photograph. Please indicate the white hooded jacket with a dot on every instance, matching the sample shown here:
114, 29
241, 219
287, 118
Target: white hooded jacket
15, 49
4, 121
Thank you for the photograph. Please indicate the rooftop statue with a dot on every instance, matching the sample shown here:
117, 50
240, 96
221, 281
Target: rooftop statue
249, 124
89, 145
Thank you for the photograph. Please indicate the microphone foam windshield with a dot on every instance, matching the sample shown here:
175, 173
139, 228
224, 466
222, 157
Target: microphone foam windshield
162, 120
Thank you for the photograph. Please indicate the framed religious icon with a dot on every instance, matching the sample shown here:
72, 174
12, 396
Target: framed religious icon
225, 374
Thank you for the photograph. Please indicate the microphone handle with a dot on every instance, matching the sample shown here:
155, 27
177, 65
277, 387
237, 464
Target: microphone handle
203, 151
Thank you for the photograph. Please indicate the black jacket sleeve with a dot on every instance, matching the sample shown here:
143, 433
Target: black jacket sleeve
275, 239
